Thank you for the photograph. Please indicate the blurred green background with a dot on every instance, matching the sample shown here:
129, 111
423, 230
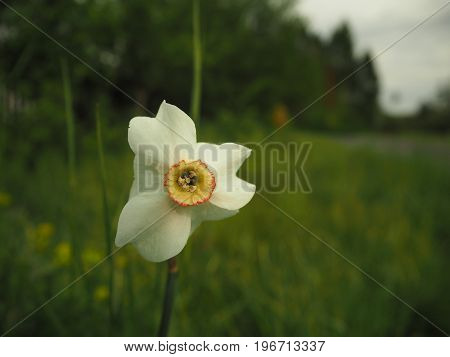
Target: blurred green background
380, 183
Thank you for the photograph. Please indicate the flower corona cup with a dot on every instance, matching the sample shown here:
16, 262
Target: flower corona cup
178, 183
190, 183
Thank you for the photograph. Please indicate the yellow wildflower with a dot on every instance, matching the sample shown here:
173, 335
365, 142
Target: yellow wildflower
42, 234
63, 253
91, 256
5, 199
101, 293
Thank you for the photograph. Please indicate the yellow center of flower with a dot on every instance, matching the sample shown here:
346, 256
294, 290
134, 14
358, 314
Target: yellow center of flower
190, 183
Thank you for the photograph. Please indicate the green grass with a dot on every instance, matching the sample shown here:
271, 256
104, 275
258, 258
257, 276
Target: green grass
257, 273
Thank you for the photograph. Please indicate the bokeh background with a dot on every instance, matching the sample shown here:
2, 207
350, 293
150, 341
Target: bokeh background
380, 179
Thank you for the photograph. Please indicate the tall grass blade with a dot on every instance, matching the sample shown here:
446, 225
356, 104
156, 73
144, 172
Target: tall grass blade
70, 127
70, 124
106, 215
3, 118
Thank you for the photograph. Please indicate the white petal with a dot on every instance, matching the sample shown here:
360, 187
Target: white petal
147, 177
141, 131
154, 225
134, 189
224, 158
208, 212
165, 139
140, 212
231, 192
181, 125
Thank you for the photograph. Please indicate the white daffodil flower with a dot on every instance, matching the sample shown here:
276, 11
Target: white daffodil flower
178, 183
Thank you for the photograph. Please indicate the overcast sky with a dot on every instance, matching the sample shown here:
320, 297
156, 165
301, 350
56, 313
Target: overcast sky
414, 68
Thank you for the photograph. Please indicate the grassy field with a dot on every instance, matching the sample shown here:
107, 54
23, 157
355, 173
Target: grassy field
257, 273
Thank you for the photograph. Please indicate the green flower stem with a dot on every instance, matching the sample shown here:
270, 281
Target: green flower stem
169, 295
70, 124
197, 63
106, 215
195, 114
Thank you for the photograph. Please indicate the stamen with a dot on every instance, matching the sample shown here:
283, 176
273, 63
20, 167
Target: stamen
190, 182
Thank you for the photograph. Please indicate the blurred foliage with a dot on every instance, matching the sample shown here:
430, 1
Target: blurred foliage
435, 115
256, 55
432, 116
381, 206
